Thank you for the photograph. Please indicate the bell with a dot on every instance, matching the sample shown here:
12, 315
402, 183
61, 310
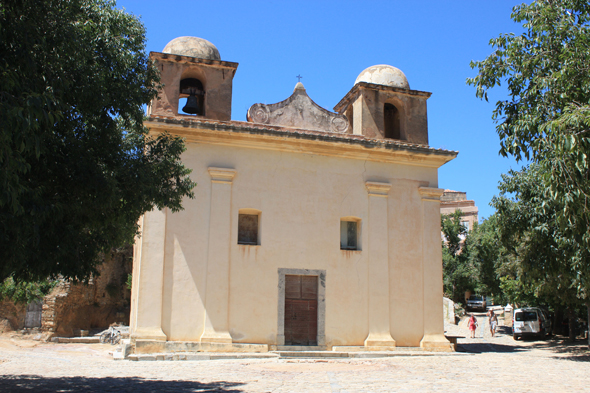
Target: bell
192, 105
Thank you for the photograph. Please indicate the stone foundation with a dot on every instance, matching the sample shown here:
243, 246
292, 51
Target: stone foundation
156, 346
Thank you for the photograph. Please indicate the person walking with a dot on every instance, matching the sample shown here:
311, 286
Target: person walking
493, 322
472, 325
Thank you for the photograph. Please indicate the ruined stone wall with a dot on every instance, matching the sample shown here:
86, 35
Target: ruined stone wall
12, 316
71, 307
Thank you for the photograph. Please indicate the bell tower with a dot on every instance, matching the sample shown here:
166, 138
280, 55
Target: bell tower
381, 105
195, 82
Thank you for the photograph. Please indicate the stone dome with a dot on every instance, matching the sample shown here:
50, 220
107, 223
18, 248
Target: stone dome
194, 47
384, 75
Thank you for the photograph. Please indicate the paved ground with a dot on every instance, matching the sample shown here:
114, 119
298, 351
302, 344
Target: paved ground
486, 365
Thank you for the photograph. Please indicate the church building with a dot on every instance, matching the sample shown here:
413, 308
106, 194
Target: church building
309, 229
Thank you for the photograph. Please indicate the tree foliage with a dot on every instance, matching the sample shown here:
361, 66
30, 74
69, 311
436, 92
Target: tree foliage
546, 70
472, 260
546, 119
487, 255
459, 274
24, 292
546, 266
77, 167
543, 267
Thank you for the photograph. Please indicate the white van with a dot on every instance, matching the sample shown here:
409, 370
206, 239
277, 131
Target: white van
529, 321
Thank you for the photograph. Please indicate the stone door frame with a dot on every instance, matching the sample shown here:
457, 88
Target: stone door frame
321, 274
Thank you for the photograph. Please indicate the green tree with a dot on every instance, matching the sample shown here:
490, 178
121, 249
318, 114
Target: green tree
546, 116
458, 271
542, 272
77, 167
487, 254
25, 292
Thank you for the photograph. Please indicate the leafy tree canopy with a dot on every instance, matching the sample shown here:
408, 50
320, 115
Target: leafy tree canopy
459, 274
453, 231
77, 167
546, 118
547, 74
543, 269
487, 254
25, 292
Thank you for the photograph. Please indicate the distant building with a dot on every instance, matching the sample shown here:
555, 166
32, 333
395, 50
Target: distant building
453, 200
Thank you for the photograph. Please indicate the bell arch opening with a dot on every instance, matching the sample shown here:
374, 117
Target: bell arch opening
191, 98
392, 126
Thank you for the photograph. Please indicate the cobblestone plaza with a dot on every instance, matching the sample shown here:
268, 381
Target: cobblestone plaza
484, 364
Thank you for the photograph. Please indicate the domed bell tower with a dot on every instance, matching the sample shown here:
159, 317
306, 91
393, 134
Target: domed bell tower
381, 105
196, 83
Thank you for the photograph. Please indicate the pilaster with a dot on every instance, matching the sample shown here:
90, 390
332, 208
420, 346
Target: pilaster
379, 298
434, 338
148, 272
218, 258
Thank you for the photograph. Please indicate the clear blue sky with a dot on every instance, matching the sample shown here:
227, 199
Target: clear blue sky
330, 42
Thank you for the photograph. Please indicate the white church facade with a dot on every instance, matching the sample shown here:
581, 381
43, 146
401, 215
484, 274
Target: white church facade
309, 228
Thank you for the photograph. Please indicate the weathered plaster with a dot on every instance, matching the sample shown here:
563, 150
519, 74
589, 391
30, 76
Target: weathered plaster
368, 100
384, 75
193, 47
298, 111
215, 75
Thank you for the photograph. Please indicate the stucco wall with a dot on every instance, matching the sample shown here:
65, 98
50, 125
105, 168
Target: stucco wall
302, 198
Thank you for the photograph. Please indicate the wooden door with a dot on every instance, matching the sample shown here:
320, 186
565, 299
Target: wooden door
301, 310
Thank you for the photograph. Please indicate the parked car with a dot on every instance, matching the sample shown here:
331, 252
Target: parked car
531, 322
476, 302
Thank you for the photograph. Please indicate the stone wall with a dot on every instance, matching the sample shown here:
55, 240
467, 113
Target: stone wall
12, 316
71, 307
449, 310
453, 196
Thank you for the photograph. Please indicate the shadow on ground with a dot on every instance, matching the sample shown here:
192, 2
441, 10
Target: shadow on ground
565, 349
555, 346
485, 347
38, 384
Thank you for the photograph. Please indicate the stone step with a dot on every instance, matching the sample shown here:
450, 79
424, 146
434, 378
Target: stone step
309, 348
195, 356
76, 340
311, 354
200, 356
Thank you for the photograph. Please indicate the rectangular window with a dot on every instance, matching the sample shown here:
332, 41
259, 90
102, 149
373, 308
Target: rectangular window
248, 229
525, 316
348, 235
465, 225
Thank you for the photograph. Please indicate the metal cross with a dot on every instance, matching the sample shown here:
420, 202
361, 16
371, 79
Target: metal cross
299, 78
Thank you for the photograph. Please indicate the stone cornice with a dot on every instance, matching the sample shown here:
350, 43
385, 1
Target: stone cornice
188, 59
356, 89
258, 136
377, 189
430, 194
221, 175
